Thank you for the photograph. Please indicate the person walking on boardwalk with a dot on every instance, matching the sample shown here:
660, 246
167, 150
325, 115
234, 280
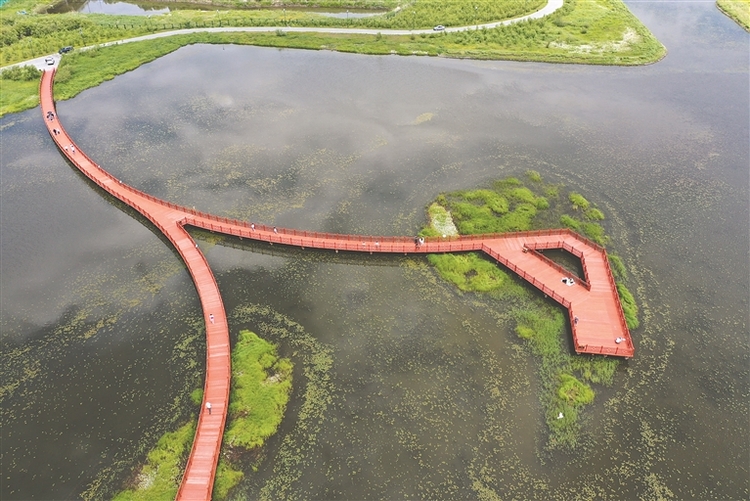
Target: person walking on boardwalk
208, 407
211, 317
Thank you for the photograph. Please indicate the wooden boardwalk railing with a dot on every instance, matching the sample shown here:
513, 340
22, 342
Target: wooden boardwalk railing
596, 318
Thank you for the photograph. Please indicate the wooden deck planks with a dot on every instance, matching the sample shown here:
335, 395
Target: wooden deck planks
600, 319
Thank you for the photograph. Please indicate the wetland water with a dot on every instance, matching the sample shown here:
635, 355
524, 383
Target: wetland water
430, 393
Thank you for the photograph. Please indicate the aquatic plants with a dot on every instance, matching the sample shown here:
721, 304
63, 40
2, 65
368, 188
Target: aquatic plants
158, 478
510, 205
261, 383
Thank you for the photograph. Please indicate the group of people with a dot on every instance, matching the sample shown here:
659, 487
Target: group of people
418, 241
568, 281
50, 116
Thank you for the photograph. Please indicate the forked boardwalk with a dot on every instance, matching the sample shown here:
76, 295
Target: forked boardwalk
597, 321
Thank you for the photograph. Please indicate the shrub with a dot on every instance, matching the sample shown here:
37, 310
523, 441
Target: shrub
21, 74
578, 201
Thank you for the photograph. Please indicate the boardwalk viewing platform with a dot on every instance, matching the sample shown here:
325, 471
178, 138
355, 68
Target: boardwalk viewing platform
596, 318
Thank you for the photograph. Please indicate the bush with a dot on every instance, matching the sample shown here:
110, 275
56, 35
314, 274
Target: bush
578, 201
21, 74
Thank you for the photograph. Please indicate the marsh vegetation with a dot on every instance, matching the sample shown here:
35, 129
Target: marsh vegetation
261, 384
512, 205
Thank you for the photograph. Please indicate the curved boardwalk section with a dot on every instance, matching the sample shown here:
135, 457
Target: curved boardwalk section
596, 317
198, 478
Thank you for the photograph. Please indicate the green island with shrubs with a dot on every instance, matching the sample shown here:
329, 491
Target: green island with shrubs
582, 31
261, 384
511, 205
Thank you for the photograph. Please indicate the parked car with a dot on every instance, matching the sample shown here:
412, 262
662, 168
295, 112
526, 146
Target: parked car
65, 50
49, 61
439, 27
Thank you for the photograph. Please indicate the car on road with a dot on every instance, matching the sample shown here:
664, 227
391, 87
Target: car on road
439, 27
65, 50
49, 61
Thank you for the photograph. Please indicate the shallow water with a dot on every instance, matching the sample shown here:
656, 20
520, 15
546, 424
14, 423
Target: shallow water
431, 393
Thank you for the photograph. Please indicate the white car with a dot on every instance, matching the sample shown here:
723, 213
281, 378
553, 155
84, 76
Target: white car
49, 61
439, 27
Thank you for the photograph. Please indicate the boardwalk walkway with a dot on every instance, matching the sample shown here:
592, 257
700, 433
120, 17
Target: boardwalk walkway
597, 321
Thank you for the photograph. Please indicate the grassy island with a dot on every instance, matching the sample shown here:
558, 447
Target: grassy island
739, 10
511, 205
589, 32
261, 383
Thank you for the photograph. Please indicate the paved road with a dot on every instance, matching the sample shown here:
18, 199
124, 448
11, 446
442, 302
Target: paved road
39, 62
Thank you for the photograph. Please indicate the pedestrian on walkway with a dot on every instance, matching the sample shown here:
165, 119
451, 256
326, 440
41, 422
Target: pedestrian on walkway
208, 407
211, 317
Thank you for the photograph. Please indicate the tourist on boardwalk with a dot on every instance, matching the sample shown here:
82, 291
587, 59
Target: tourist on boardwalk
211, 317
275, 230
208, 407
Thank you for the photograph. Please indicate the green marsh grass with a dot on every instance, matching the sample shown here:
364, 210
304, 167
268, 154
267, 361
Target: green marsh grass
158, 478
510, 205
261, 383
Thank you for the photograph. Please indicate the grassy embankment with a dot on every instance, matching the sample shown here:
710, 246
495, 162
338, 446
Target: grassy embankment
592, 32
739, 10
509, 205
261, 383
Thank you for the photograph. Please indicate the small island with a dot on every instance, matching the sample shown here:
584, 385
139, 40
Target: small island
512, 205
261, 385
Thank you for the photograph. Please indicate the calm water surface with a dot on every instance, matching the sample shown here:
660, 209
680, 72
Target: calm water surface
430, 394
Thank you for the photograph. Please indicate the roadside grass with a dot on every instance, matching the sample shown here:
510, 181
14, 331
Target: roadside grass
586, 32
565, 378
35, 33
261, 383
738, 10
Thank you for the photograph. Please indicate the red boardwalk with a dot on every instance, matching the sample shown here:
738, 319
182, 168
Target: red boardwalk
596, 316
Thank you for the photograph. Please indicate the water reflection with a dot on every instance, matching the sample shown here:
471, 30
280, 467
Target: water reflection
434, 395
156, 8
